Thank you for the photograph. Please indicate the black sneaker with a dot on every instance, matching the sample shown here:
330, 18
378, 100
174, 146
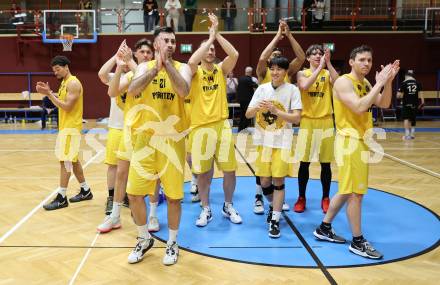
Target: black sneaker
328, 235
274, 229
365, 249
109, 205
126, 202
269, 215
81, 196
57, 203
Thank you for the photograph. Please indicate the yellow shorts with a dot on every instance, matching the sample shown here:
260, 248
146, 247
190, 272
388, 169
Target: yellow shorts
209, 142
351, 156
272, 162
126, 144
156, 157
111, 148
67, 145
315, 140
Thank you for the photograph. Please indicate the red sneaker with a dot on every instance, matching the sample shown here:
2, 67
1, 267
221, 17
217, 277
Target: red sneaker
325, 203
300, 205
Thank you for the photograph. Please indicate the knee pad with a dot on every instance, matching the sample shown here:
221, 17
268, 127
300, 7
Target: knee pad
279, 188
267, 190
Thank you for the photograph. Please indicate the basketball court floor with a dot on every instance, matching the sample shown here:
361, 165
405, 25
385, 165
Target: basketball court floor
400, 217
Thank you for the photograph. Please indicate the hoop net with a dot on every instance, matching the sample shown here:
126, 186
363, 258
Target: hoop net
67, 41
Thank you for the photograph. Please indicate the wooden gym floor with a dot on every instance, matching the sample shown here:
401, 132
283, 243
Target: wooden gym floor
62, 247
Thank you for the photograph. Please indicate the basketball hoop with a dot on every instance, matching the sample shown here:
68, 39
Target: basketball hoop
67, 41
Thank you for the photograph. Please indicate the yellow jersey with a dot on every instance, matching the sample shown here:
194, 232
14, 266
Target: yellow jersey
73, 118
348, 123
164, 113
317, 100
268, 78
209, 103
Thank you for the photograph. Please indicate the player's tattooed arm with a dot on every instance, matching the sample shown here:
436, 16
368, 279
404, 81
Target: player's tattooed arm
180, 80
143, 76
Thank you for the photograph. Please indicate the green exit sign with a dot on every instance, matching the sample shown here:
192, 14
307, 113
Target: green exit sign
186, 48
330, 46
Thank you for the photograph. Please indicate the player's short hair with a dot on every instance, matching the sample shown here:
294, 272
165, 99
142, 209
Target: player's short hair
159, 30
277, 49
143, 42
410, 72
361, 49
280, 61
314, 47
60, 60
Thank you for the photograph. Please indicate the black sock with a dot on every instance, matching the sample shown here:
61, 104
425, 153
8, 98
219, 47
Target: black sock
325, 226
326, 179
303, 178
358, 239
111, 192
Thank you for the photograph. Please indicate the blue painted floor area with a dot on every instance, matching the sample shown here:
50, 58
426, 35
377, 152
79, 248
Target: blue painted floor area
399, 228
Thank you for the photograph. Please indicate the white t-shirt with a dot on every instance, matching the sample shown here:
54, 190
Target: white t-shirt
270, 130
116, 116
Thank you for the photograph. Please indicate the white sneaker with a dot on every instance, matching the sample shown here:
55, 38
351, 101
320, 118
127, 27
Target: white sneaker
153, 224
171, 254
286, 207
204, 218
193, 189
232, 214
109, 224
195, 197
142, 246
259, 205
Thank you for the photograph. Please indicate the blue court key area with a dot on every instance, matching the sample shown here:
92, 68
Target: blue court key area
397, 227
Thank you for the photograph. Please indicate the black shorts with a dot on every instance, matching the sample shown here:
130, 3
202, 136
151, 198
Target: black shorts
409, 112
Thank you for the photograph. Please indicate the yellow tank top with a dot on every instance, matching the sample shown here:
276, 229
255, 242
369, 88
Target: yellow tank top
208, 97
129, 102
349, 123
317, 100
73, 118
268, 78
187, 106
163, 104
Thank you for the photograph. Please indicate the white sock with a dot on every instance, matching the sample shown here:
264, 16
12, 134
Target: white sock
84, 186
116, 210
194, 179
406, 132
143, 232
207, 208
153, 207
258, 190
172, 236
62, 191
413, 130
276, 215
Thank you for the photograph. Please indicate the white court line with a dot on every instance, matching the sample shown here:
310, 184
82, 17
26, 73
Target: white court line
27, 150
32, 212
407, 163
83, 261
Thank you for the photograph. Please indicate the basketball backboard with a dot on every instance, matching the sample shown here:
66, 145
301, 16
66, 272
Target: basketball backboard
79, 23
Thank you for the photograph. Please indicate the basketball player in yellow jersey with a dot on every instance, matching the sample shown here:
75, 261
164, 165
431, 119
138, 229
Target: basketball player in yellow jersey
353, 97
211, 135
115, 121
159, 151
69, 101
118, 84
316, 135
263, 75
271, 51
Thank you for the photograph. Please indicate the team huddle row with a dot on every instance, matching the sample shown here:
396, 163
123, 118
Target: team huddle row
163, 112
